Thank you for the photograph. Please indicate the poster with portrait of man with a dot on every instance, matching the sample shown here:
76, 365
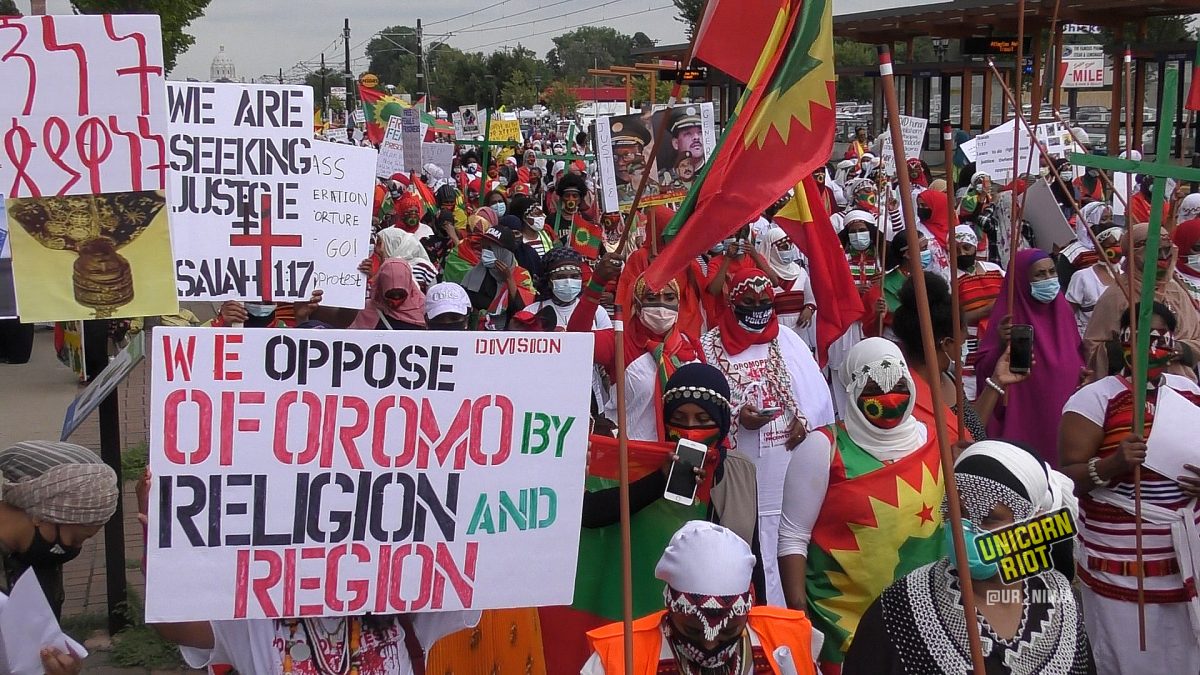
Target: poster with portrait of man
625, 152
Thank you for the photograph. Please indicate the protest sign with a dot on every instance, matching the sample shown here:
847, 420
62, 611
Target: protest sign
913, 130
441, 154
336, 208
1050, 228
84, 111
71, 353
994, 153
105, 383
391, 150
505, 131
410, 138
459, 132
303, 473
469, 120
338, 93
27, 626
623, 145
241, 167
8, 295
338, 135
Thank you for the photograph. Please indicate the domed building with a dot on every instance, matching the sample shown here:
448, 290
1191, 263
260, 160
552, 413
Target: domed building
222, 69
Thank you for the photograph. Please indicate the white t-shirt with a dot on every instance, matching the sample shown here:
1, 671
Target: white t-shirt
1083, 293
256, 646
600, 322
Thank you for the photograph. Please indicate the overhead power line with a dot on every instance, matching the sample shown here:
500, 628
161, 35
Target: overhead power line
565, 28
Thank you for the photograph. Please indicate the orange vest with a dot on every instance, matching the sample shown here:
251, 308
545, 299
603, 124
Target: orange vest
775, 627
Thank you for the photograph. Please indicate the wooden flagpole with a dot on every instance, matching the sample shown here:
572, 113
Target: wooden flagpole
933, 375
1103, 176
955, 282
1014, 235
623, 475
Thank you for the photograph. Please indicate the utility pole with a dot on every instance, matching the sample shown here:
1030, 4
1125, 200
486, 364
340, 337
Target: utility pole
281, 76
349, 78
324, 91
421, 88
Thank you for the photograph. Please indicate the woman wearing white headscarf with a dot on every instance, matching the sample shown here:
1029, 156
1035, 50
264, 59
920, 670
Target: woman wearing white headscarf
880, 451
1033, 626
795, 304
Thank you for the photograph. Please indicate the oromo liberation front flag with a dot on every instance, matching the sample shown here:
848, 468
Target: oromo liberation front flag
782, 130
378, 108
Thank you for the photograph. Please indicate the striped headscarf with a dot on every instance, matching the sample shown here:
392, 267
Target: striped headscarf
58, 483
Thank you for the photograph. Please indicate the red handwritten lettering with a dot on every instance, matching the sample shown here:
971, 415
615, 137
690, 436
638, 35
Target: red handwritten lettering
50, 41
92, 152
18, 145
143, 70
9, 22
55, 147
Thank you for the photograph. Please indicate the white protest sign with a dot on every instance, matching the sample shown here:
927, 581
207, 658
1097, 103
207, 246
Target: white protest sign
1045, 216
391, 151
469, 116
360, 117
337, 135
27, 625
302, 473
1056, 138
1172, 441
410, 138
968, 149
441, 154
913, 130
84, 110
338, 202
241, 156
1082, 67
337, 93
994, 152
459, 132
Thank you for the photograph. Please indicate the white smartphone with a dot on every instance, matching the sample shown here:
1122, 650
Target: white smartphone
681, 482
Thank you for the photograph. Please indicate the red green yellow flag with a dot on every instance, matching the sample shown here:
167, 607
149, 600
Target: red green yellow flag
378, 108
1193, 97
585, 237
781, 131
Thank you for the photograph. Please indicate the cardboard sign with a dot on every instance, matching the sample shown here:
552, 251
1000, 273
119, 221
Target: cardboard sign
105, 383
1050, 227
84, 110
242, 162
410, 138
391, 150
302, 473
913, 130
468, 122
623, 154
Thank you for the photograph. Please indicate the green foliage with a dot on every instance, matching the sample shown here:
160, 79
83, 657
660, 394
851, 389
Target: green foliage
593, 47
393, 54
9, 8
134, 461
81, 626
561, 99
641, 90
333, 78
848, 53
1160, 30
139, 646
690, 13
519, 92
175, 15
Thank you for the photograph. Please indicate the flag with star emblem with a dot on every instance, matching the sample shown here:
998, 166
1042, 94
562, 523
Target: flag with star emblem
378, 108
781, 131
878, 523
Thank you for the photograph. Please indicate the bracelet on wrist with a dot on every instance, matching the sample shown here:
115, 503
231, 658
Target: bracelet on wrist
1094, 472
995, 387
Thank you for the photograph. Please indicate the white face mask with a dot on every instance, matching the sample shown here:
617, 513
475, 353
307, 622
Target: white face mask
859, 241
259, 310
1193, 261
566, 290
499, 208
539, 223
789, 256
660, 320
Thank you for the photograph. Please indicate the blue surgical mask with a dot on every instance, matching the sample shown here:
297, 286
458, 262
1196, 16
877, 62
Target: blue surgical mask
488, 258
980, 570
926, 258
566, 290
859, 241
259, 310
789, 256
500, 208
1045, 290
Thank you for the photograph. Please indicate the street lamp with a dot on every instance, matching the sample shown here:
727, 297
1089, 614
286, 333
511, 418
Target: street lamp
940, 47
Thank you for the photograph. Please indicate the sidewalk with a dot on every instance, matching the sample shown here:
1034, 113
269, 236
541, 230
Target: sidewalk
34, 398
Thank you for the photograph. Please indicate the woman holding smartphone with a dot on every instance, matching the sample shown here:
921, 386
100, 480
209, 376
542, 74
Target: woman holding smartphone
1049, 349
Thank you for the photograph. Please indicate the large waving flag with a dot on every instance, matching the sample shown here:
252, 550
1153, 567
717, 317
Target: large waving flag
378, 108
837, 300
782, 130
1193, 97
726, 28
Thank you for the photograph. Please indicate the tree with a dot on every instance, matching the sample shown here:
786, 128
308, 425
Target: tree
690, 12
332, 78
175, 15
9, 8
561, 99
1160, 30
848, 53
393, 54
641, 90
519, 92
592, 47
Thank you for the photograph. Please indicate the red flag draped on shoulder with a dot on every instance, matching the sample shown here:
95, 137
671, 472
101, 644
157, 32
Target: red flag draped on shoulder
781, 131
837, 300
1193, 97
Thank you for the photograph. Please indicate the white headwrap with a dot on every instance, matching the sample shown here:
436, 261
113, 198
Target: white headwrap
396, 243
880, 361
859, 216
1048, 489
787, 271
437, 177
965, 234
1189, 208
1093, 212
708, 570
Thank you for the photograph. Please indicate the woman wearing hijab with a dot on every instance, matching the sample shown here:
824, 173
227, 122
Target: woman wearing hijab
794, 301
828, 568
562, 285
1187, 269
1033, 627
1089, 187
1100, 454
861, 240
655, 346
1140, 202
533, 224
497, 285
1029, 411
1081, 254
779, 396
1089, 284
1105, 324
979, 284
933, 210
1189, 207
466, 254
396, 299
884, 296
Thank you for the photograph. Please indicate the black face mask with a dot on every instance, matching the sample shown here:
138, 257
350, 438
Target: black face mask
754, 319
924, 213
966, 263
42, 553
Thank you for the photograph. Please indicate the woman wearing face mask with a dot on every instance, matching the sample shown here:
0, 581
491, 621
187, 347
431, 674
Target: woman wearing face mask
861, 240
979, 284
933, 210
884, 296
408, 216
1187, 270
1099, 453
1033, 627
1029, 411
829, 482
396, 299
1089, 187
561, 286
1106, 318
466, 254
533, 224
1088, 284
498, 286
496, 201
795, 304
779, 396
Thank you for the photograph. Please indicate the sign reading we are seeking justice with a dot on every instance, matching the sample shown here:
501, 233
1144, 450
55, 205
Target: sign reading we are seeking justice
302, 473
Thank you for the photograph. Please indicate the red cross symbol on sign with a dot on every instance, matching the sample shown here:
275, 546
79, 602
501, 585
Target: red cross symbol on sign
266, 242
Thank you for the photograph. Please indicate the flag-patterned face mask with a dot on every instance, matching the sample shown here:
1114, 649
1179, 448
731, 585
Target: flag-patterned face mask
1162, 349
885, 411
570, 201
867, 200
